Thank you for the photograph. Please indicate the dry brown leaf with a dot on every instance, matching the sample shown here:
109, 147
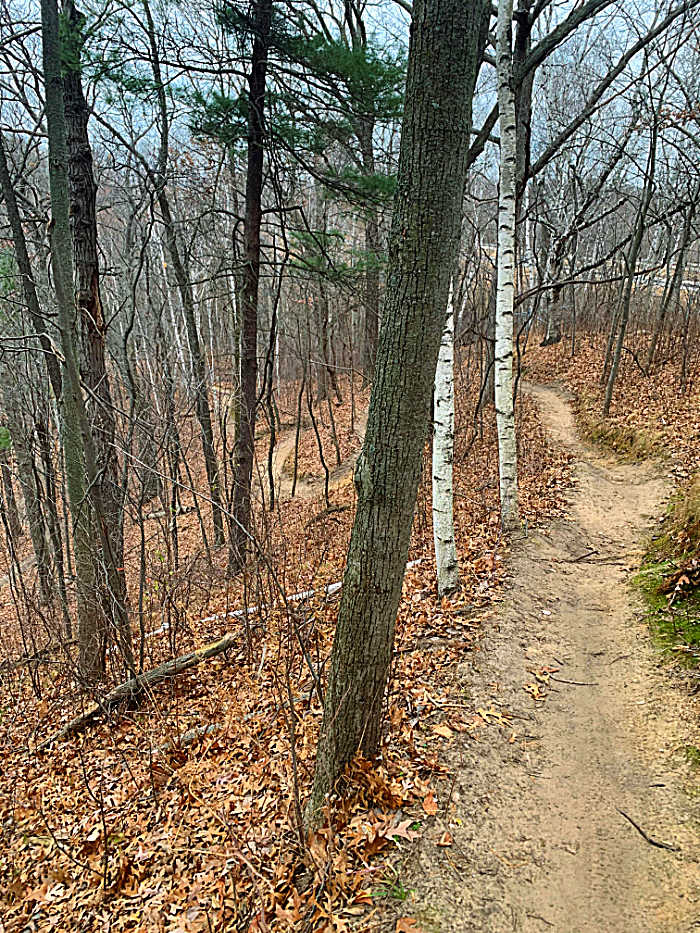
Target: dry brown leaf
443, 730
408, 925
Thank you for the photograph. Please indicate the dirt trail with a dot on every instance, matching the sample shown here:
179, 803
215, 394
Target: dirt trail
310, 487
539, 843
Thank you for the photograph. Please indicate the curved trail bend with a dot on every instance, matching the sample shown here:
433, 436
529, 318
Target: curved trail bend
539, 842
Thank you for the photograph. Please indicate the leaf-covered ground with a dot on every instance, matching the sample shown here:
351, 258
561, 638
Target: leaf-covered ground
153, 822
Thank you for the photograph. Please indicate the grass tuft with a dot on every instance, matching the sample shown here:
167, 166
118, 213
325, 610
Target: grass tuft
620, 437
670, 577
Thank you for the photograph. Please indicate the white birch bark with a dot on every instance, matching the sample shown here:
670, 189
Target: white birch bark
505, 291
443, 452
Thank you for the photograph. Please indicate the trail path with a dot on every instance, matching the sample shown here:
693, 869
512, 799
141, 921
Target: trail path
310, 487
539, 843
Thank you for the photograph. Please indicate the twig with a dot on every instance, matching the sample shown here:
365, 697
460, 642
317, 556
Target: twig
636, 360
652, 842
575, 683
538, 917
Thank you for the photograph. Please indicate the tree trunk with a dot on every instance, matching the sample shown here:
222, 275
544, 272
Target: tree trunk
79, 452
443, 453
488, 387
28, 286
673, 292
93, 326
442, 69
635, 247
505, 413
371, 292
184, 286
85, 552
8, 496
244, 445
31, 491
41, 425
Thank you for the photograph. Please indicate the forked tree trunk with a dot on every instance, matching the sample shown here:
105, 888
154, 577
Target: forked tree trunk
505, 413
93, 328
443, 454
443, 63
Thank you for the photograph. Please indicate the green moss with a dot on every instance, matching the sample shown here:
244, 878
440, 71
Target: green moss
675, 624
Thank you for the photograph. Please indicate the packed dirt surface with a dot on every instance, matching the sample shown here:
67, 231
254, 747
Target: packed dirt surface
536, 810
308, 487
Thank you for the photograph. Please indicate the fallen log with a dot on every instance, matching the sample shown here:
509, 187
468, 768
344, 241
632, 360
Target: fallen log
134, 687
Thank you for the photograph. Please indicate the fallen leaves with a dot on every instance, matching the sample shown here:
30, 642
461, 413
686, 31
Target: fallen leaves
126, 828
539, 688
408, 925
430, 804
443, 730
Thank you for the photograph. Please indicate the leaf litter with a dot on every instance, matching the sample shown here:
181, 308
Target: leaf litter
126, 827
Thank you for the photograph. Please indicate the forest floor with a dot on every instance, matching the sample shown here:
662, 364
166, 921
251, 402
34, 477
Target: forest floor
538, 827
495, 803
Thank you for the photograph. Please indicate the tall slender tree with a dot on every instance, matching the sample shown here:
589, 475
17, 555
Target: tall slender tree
90, 529
443, 65
446, 562
505, 291
244, 449
92, 320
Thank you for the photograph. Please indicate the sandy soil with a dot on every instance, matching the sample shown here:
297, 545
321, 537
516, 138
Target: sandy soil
539, 842
309, 487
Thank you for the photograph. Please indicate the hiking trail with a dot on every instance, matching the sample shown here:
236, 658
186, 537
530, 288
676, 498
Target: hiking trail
540, 843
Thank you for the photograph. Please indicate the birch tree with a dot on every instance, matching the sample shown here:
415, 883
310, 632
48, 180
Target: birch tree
505, 289
446, 561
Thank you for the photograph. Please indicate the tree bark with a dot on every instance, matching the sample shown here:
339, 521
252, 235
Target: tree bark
505, 412
8, 496
85, 553
31, 491
443, 454
244, 445
442, 69
92, 325
372, 247
86, 507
